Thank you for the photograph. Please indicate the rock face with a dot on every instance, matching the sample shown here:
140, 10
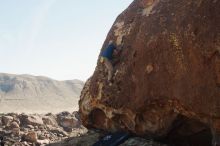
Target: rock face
169, 67
37, 94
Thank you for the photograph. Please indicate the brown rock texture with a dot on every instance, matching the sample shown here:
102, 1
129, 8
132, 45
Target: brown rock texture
169, 66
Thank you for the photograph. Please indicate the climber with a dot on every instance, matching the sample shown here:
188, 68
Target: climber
107, 57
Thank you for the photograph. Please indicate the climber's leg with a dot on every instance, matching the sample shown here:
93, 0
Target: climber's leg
109, 67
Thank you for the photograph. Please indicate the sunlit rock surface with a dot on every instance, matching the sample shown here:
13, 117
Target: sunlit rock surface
169, 67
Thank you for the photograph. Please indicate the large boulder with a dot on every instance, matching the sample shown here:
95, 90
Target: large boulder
169, 66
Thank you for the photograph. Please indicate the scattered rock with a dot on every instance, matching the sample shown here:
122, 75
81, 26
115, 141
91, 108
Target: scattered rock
42, 127
45, 141
68, 121
28, 130
42, 137
30, 126
30, 137
6, 120
50, 120
58, 131
16, 131
2, 131
20, 144
77, 115
14, 125
34, 120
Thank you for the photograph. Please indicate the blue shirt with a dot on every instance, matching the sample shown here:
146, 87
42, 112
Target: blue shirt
108, 52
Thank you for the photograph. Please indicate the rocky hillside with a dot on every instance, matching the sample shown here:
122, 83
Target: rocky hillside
168, 77
36, 94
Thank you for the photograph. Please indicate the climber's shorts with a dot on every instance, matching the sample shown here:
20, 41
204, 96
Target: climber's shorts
102, 59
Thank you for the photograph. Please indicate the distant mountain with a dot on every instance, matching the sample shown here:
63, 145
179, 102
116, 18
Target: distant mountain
37, 94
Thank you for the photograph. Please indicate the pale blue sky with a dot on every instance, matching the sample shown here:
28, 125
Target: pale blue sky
60, 39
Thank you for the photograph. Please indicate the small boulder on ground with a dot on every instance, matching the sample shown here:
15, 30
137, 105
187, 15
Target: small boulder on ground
30, 126
6, 120
58, 131
14, 125
34, 120
41, 142
30, 137
50, 120
68, 121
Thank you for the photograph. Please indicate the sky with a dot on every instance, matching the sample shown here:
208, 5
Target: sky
60, 39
